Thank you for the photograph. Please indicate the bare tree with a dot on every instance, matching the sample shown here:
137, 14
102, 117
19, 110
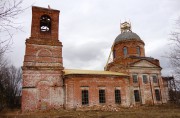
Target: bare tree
9, 10
175, 49
14, 85
10, 86
10, 77
174, 58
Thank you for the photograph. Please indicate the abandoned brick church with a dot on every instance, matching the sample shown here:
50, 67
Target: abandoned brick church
129, 79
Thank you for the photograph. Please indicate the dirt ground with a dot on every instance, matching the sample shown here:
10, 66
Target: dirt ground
158, 111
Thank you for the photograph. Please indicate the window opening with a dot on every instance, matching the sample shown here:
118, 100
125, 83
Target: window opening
114, 53
102, 96
125, 51
135, 79
136, 96
154, 79
145, 79
138, 50
117, 96
85, 97
157, 93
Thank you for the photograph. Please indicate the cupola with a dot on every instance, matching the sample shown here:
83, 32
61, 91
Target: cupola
128, 43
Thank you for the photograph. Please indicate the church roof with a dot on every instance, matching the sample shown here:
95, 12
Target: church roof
127, 36
91, 72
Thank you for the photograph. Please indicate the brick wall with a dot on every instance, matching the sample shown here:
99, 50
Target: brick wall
74, 84
131, 46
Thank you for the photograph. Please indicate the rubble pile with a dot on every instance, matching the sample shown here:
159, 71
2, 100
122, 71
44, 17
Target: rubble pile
100, 108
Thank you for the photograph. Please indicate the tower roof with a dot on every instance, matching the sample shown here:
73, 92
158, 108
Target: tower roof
126, 36
126, 33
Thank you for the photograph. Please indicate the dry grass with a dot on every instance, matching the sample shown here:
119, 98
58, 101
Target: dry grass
158, 111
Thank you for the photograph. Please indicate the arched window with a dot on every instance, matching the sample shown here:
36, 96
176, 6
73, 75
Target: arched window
114, 53
45, 23
138, 50
125, 51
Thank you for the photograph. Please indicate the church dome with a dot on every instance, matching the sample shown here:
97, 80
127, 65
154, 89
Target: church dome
126, 33
127, 36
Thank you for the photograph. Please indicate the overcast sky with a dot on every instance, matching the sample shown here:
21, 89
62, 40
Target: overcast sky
88, 29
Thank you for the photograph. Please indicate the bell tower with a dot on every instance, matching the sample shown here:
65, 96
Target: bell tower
42, 87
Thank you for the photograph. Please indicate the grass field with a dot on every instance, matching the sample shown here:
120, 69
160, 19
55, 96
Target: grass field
158, 111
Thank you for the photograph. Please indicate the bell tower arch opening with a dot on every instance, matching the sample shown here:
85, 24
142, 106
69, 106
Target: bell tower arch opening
45, 23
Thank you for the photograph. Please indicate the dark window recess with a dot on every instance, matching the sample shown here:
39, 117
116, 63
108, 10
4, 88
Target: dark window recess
125, 51
157, 93
117, 96
114, 53
102, 98
138, 50
145, 79
45, 23
154, 79
136, 96
135, 79
85, 97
